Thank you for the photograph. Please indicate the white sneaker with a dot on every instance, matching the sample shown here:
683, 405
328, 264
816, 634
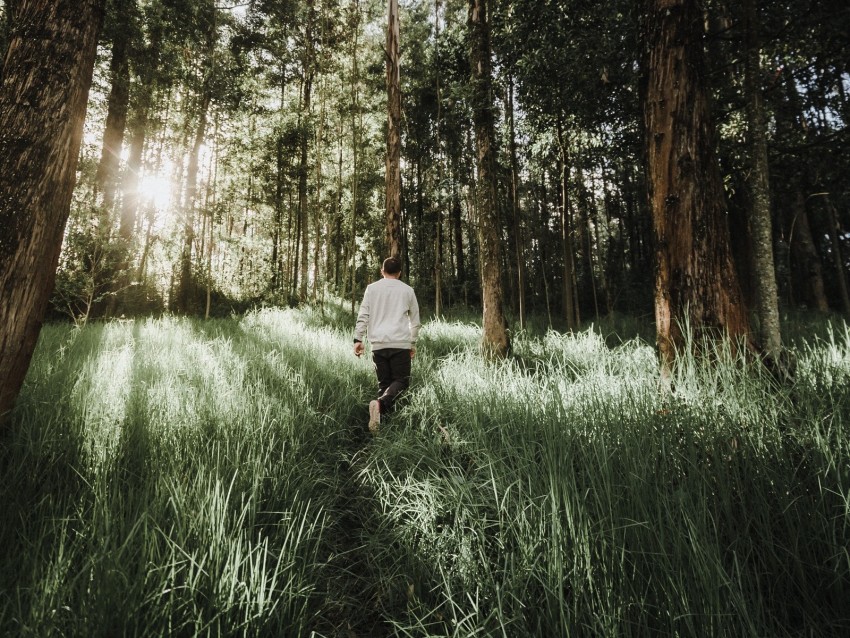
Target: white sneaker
374, 416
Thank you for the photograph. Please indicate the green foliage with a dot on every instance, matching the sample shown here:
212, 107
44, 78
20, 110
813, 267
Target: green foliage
89, 269
178, 477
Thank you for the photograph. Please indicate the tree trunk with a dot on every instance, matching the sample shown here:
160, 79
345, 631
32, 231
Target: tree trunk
838, 260
277, 227
302, 236
185, 284
438, 226
515, 212
303, 204
116, 115
317, 208
495, 342
355, 143
696, 285
393, 170
457, 231
767, 298
139, 129
46, 80
570, 305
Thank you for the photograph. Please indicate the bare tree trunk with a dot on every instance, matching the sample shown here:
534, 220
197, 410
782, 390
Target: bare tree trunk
317, 208
393, 171
515, 212
185, 283
805, 254
277, 225
696, 283
457, 230
130, 182
495, 342
46, 80
355, 140
767, 298
210, 216
570, 305
303, 204
438, 225
840, 270
116, 115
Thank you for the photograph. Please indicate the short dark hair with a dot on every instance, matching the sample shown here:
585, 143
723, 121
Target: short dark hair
391, 265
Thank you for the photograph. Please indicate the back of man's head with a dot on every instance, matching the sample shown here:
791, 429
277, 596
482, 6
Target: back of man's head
391, 266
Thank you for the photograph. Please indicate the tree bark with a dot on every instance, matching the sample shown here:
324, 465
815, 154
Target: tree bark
519, 258
838, 260
185, 284
393, 170
570, 304
139, 128
496, 343
303, 204
696, 285
809, 268
116, 114
767, 298
46, 81
457, 233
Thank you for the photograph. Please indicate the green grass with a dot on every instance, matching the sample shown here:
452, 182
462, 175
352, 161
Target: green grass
189, 478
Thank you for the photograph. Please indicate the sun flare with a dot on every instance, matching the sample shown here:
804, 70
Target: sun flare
156, 189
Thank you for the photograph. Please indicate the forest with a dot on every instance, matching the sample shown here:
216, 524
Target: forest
235, 156
627, 223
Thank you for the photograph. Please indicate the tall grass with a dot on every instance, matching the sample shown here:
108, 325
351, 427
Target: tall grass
177, 477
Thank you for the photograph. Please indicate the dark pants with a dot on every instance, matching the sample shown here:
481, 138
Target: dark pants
392, 365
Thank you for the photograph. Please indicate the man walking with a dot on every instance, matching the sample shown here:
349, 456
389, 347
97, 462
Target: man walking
389, 318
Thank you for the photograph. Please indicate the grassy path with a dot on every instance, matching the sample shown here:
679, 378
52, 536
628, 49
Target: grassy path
183, 478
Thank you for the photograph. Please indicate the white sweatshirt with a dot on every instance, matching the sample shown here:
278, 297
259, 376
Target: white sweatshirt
389, 315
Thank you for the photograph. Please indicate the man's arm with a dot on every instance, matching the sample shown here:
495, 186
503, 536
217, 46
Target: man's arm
413, 316
362, 324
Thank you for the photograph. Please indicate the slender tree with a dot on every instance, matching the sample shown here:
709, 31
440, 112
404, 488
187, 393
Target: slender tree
305, 120
186, 282
767, 298
117, 103
46, 80
393, 171
495, 339
696, 283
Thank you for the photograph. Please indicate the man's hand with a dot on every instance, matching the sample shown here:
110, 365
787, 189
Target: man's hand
358, 348
413, 352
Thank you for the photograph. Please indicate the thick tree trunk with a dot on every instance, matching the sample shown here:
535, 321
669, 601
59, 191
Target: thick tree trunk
46, 80
393, 170
696, 285
767, 298
495, 339
809, 269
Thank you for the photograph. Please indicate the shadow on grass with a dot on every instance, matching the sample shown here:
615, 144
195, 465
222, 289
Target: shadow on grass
360, 588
